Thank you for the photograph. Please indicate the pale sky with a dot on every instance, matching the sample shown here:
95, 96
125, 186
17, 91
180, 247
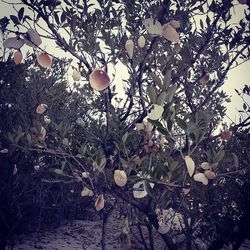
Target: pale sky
236, 79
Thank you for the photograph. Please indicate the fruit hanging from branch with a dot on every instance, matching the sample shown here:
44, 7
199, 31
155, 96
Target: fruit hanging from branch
18, 57
226, 135
129, 46
120, 178
44, 60
99, 80
99, 204
205, 78
76, 75
141, 41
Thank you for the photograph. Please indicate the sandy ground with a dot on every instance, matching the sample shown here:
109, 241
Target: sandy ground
74, 236
85, 235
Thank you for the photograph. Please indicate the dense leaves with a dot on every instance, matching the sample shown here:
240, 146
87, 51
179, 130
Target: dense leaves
148, 138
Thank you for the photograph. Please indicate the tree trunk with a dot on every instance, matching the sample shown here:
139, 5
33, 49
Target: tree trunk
150, 213
151, 236
154, 221
105, 217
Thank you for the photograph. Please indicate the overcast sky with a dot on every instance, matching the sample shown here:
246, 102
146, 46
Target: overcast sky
237, 77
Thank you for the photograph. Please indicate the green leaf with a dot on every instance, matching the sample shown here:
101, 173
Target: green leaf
63, 165
208, 21
166, 114
29, 139
201, 24
155, 123
170, 93
186, 55
125, 137
167, 80
162, 98
57, 18
170, 124
244, 106
220, 155
173, 166
65, 141
159, 171
63, 17
82, 150
19, 134
181, 123
149, 189
152, 94
117, 145
199, 133
20, 14
14, 20
165, 132
11, 137
99, 156
133, 179
58, 171
72, 23
236, 161
102, 163
156, 79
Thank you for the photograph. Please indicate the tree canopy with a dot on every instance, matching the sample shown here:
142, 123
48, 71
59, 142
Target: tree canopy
150, 138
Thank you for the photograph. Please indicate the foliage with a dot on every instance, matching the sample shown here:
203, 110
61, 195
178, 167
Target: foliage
153, 147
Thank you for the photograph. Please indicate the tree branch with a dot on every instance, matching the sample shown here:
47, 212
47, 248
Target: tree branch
211, 92
58, 37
